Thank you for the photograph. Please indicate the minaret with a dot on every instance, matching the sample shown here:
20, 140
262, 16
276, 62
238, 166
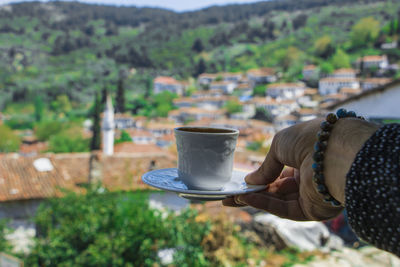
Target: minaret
108, 128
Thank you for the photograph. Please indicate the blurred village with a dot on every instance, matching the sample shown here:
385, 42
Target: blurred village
255, 103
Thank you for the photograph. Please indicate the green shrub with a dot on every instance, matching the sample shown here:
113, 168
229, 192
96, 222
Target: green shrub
113, 229
9, 141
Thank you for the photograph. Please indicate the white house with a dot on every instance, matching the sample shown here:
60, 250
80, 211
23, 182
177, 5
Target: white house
206, 78
376, 104
333, 85
275, 107
163, 83
309, 72
226, 87
244, 89
380, 62
141, 137
183, 102
285, 121
344, 74
285, 90
211, 103
371, 83
123, 121
183, 115
231, 77
208, 93
261, 76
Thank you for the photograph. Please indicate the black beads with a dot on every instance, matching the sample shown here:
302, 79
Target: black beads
341, 113
323, 135
319, 151
331, 118
326, 126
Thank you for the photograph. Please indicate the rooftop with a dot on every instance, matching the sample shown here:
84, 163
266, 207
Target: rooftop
165, 80
261, 72
284, 85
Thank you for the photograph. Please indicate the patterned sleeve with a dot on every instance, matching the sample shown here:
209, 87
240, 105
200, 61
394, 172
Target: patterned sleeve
373, 190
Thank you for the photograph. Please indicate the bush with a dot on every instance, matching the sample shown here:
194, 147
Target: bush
68, 142
45, 130
113, 229
9, 141
5, 246
20, 122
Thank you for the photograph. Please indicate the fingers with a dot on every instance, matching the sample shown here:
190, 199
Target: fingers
230, 202
269, 170
289, 209
284, 186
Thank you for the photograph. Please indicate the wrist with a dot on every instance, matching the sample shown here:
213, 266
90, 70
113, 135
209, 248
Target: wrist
346, 140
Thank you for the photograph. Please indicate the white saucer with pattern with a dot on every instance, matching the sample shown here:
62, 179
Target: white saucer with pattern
168, 179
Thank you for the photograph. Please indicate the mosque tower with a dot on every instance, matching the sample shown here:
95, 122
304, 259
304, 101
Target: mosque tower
108, 128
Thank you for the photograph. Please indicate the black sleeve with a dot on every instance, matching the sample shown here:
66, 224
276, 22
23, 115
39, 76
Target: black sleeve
373, 190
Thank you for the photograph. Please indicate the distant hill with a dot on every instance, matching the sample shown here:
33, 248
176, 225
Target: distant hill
76, 49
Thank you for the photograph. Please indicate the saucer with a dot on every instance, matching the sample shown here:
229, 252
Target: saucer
168, 179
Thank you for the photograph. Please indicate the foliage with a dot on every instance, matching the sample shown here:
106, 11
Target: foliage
364, 32
5, 246
120, 99
259, 90
20, 122
39, 108
341, 60
254, 146
96, 141
125, 137
326, 68
233, 106
158, 105
9, 141
324, 47
61, 104
69, 140
113, 229
263, 115
46, 129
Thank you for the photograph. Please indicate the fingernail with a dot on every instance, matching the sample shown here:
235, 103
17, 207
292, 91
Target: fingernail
239, 200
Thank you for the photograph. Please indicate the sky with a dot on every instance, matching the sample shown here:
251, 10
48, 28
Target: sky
176, 5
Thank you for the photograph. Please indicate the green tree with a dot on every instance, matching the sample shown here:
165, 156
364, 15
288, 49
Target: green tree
233, 107
364, 32
120, 99
9, 141
96, 142
326, 68
114, 229
324, 47
341, 60
39, 108
68, 141
61, 104
5, 246
259, 90
198, 46
200, 67
125, 137
46, 129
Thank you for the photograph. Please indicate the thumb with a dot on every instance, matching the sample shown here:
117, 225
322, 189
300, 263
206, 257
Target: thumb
269, 170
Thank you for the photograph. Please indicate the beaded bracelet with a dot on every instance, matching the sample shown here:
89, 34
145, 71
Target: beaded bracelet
320, 148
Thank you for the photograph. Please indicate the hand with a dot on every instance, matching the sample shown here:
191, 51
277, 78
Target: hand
291, 193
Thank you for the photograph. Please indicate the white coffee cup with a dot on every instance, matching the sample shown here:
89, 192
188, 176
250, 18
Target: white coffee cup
205, 156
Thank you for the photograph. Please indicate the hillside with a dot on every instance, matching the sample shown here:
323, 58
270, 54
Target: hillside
74, 49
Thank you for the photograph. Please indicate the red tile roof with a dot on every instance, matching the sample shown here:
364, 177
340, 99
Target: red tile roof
165, 80
20, 180
261, 72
